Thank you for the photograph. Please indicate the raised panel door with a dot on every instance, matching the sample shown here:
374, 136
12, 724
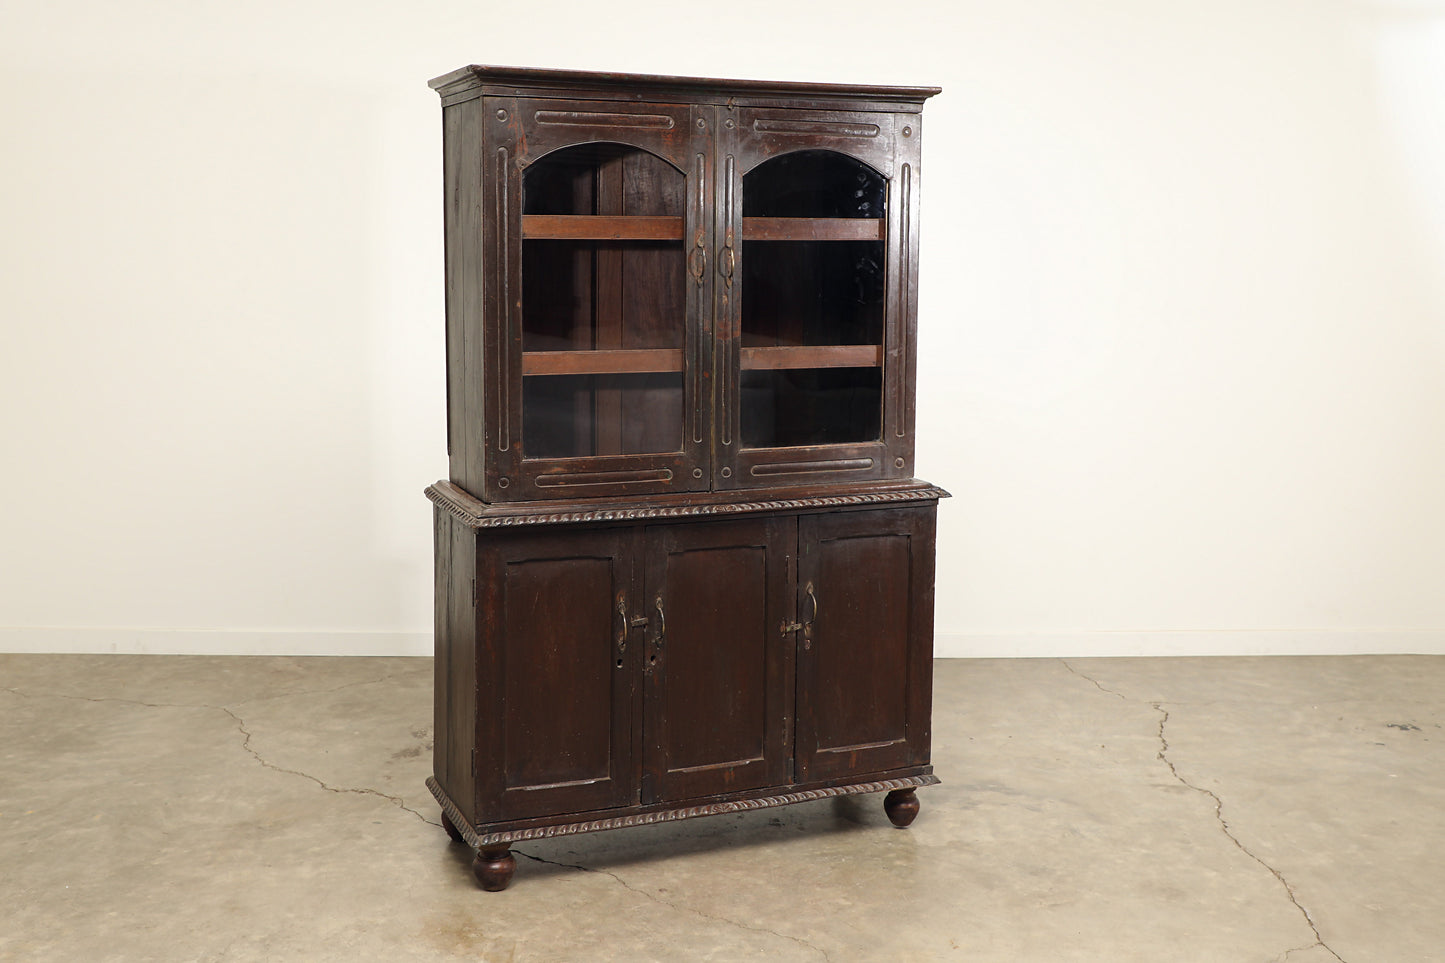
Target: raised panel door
557, 701
865, 670
719, 665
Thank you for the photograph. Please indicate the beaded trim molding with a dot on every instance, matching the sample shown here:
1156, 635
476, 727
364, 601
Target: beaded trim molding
478, 841
444, 501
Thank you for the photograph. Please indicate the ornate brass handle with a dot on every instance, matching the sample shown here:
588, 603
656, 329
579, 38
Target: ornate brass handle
727, 264
661, 623
808, 622
622, 624
697, 259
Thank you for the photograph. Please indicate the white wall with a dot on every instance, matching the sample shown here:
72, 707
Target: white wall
1183, 312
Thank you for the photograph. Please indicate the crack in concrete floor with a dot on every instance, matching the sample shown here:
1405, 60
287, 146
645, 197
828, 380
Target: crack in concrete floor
245, 741
671, 905
400, 804
1162, 756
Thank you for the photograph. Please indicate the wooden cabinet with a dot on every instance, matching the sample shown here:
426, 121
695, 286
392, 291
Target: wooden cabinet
682, 564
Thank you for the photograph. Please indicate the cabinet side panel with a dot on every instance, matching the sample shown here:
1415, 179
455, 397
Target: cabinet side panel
455, 661
924, 522
462, 175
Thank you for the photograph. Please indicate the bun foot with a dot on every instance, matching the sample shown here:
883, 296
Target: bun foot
493, 869
901, 805
451, 828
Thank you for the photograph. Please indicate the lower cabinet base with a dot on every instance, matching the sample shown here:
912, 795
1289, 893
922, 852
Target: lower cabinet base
494, 864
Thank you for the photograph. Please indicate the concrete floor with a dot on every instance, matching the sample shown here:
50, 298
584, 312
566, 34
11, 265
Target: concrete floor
186, 808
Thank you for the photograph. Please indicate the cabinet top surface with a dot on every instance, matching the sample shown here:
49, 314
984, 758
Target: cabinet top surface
641, 86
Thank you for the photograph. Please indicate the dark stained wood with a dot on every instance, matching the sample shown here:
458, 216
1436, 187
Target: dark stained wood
568, 824
901, 805
455, 659
451, 828
702, 89
493, 868
682, 565
602, 228
866, 600
552, 640
719, 665
814, 229
813, 356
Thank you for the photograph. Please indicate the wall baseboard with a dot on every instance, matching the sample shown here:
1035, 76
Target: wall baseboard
1177, 643
210, 642
971, 645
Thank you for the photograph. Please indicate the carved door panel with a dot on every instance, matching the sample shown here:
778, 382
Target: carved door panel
719, 668
865, 669
815, 231
557, 701
595, 378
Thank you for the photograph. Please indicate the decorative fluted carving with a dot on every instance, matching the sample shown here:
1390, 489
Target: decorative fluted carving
469, 517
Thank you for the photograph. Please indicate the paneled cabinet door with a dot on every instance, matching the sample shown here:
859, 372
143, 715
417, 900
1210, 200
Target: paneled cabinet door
557, 703
815, 235
719, 666
596, 355
865, 669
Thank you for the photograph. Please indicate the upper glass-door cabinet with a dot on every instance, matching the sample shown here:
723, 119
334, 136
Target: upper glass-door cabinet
817, 362
600, 359
668, 285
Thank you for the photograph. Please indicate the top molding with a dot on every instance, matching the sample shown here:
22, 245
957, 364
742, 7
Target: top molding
477, 80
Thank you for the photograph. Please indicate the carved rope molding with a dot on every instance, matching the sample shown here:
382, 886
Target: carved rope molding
444, 501
477, 841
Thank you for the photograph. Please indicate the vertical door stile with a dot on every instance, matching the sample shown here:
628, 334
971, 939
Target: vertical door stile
700, 320
726, 242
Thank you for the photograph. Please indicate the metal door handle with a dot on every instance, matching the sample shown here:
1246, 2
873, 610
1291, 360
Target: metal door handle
622, 624
697, 260
808, 622
661, 623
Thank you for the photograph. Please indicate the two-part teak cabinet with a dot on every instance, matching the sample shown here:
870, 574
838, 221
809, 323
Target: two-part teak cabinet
682, 564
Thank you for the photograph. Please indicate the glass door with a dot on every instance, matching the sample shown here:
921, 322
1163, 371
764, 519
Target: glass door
814, 314
605, 345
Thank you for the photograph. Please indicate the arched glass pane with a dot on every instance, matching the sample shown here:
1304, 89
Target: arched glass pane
604, 303
814, 283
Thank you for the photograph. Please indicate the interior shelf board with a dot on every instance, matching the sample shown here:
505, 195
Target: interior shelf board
610, 361
601, 227
813, 356
814, 229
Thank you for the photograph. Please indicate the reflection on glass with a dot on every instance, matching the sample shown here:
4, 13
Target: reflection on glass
585, 291
571, 416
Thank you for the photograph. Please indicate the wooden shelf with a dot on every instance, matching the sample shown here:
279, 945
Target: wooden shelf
813, 356
597, 227
814, 229
615, 361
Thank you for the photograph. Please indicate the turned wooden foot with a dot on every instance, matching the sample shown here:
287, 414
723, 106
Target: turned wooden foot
493, 868
451, 828
901, 805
